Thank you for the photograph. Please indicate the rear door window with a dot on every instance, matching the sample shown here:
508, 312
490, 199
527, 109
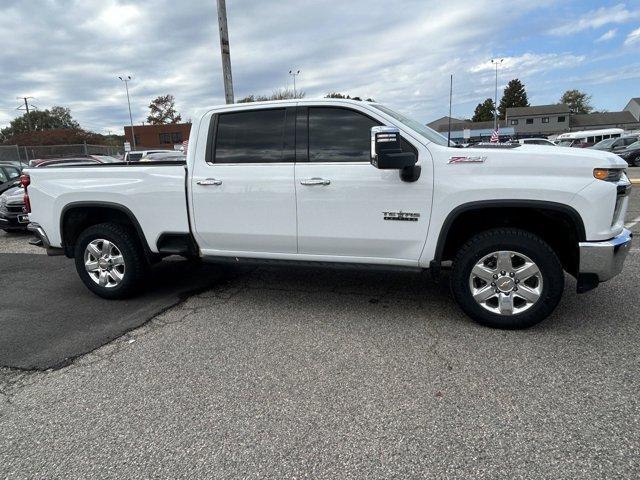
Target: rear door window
256, 136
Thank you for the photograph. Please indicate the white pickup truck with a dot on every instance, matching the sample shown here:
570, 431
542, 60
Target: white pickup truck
326, 181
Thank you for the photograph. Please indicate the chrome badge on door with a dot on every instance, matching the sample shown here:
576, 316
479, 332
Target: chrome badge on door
401, 216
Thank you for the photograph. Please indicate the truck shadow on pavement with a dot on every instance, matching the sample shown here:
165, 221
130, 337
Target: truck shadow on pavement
48, 317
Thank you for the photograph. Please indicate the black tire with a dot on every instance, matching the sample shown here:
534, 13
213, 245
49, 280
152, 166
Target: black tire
522, 242
127, 242
635, 162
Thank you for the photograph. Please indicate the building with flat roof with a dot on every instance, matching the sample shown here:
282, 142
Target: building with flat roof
158, 136
542, 121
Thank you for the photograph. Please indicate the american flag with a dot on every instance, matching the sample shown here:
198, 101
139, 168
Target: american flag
495, 136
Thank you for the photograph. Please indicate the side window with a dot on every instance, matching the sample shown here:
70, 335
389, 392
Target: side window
12, 173
3, 177
339, 135
255, 136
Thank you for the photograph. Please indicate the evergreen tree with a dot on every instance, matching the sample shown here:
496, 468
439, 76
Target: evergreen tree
514, 95
484, 111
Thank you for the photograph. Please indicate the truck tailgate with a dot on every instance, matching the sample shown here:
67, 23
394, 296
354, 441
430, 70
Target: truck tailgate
153, 194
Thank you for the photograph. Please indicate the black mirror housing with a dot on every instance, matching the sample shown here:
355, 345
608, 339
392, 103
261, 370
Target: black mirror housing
386, 152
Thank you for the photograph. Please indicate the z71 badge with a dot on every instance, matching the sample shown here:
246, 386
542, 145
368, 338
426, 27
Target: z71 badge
402, 216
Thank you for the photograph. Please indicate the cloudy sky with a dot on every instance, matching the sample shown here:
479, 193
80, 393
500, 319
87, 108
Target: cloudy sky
400, 52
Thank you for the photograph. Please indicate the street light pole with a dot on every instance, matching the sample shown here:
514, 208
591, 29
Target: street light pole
294, 75
126, 80
495, 101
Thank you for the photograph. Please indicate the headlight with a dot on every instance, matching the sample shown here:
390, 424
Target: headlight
608, 174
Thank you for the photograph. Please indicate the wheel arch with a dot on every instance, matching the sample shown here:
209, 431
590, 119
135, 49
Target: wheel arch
470, 218
77, 216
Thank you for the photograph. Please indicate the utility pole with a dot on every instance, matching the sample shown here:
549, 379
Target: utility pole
450, 101
126, 80
26, 106
224, 49
495, 101
294, 75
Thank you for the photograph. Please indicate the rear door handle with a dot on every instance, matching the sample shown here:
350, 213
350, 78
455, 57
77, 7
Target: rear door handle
210, 181
315, 181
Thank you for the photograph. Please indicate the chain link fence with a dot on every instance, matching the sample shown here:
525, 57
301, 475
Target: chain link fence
22, 154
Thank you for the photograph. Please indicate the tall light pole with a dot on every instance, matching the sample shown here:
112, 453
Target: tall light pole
126, 79
496, 61
225, 51
294, 75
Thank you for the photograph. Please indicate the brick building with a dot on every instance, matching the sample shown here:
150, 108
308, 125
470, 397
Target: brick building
158, 136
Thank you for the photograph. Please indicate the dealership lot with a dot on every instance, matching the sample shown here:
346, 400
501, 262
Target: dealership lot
319, 373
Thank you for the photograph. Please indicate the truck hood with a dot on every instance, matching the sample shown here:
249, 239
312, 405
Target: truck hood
14, 196
565, 156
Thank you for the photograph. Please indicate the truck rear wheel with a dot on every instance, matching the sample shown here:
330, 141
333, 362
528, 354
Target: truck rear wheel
507, 278
110, 260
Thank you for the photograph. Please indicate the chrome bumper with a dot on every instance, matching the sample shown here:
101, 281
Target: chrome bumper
39, 231
601, 261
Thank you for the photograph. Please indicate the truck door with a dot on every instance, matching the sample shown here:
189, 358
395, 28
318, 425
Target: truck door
347, 208
243, 197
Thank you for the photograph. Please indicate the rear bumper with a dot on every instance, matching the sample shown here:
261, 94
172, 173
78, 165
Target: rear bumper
41, 234
12, 222
601, 261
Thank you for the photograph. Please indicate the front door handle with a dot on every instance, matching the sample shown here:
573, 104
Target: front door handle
209, 181
315, 181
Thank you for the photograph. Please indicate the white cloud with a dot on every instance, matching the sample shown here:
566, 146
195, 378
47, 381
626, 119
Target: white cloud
608, 35
595, 19
531, 63
633, 37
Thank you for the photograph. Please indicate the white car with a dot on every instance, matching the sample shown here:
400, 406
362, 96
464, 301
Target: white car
339, 181
136, 155
535, 141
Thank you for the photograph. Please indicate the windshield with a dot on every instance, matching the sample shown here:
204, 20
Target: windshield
419, 128
564, 143
604, 144
634, 145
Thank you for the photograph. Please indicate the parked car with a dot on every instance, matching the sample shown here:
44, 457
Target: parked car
169, 156
631, 154
341, 181
9, 175
136, 155
535, 141
616, 144
587, 138
13, 217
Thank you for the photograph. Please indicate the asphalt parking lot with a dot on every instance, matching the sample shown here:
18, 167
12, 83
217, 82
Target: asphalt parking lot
314, 373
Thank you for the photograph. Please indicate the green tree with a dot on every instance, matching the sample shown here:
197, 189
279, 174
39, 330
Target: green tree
163, 110
340, 95
40, 120
280, 94
514, 95
484, 111
579, 102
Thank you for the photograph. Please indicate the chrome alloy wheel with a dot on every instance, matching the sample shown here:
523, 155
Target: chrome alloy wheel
104, 263
506, 282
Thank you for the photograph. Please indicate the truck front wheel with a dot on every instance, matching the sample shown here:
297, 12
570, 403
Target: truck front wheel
507, 278
110, 260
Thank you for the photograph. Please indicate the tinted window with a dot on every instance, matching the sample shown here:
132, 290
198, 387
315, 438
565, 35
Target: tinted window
250, 137
560, 119
339, 135
134, 157
529, 121
3, 177
12, 172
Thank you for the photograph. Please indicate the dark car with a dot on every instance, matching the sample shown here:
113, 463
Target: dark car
9, 176
631, 154
13, 217
616, 144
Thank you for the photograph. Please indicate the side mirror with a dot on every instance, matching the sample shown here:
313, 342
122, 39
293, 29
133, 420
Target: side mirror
386, 153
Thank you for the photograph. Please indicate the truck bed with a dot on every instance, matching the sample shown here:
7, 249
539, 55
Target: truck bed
153, 193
